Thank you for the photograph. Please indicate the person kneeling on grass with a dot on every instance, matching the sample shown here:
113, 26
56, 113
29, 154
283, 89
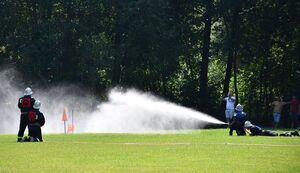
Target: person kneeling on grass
36, 120
255, 130
238, 121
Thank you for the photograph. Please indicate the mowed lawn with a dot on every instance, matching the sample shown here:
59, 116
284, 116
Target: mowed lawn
187, 151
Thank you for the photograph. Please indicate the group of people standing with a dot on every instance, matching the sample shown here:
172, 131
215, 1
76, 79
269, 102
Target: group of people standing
31, 117
294, 110
236, 117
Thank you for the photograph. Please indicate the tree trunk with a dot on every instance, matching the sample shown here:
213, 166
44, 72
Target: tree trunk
116, 69
233, 32
235, 78
265, 78
205, 57
228, 73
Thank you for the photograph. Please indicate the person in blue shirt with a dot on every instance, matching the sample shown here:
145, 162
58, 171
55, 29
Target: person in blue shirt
240, 114
238, 121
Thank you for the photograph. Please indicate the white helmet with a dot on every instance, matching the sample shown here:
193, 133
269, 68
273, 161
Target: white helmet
28, 91
248, 124
239, 107
37, 104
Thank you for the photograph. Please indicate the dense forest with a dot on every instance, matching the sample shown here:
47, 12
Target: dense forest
191, 52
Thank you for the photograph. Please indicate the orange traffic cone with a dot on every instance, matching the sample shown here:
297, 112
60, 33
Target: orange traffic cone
65, 116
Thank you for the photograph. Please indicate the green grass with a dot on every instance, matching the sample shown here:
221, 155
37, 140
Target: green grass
193, 151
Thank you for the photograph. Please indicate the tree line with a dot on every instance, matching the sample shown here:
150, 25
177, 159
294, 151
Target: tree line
189, 52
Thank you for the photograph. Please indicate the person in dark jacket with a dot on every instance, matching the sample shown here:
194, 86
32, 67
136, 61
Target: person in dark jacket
25, 104
238, 121
255, 130
36, 120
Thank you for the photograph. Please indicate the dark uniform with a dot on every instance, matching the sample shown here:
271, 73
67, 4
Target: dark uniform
25, 104
36, 120
257, 131
238, 124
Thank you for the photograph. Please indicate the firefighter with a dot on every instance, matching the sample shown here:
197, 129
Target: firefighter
255, 130
238, 121
36, 120
25, 104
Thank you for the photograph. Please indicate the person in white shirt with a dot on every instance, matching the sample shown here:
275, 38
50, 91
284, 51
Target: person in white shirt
229, 112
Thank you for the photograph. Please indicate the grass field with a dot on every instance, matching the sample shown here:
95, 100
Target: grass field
191, 151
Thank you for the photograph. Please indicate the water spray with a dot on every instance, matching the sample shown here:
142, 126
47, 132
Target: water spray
125, 111
135, 111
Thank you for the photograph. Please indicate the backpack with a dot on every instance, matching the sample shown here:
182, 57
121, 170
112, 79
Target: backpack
32, 116
25, 102
41, 119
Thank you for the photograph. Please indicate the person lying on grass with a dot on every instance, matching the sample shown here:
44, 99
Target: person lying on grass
254, 130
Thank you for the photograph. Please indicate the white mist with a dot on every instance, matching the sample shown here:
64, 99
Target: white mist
134, 111
124, 112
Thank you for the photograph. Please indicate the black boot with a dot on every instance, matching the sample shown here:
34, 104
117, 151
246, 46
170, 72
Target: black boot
26, 139
295, 133
19, 139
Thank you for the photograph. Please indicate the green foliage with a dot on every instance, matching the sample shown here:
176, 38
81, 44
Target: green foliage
157, 46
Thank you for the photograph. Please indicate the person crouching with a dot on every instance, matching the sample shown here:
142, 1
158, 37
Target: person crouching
238, 122
36, 120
